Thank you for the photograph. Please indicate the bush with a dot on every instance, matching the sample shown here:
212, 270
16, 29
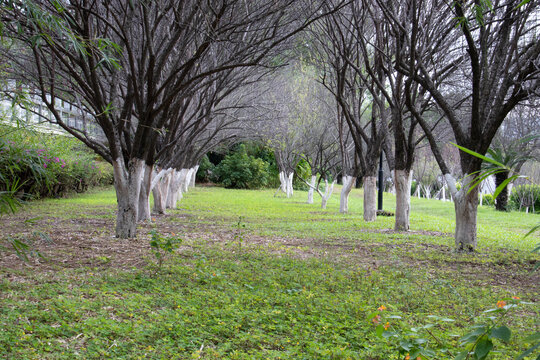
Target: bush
241, 171
525, 196
48, 165
488, 200
206, 168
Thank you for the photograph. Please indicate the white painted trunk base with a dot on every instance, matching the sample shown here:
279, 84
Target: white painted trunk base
161, 191
290, 185
402, 181
370, 198
127, 183
328, 190
466, 207
311, 189
348, 183
186, 179
194, 176
144, 194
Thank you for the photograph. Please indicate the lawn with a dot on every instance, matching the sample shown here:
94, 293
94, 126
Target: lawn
260, 277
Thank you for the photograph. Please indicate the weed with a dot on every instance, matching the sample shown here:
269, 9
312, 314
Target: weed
162, 246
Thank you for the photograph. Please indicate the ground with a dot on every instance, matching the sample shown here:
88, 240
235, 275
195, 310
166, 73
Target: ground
255, 277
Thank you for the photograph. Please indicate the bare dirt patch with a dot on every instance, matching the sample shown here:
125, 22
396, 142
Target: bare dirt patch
90, 243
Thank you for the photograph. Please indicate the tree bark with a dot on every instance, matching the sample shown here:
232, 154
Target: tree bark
370, 198
194, 176
466, 208
402, 181
186, 179
311, 189
127, 183
348, 183
289, 180
174, 190
328, 190
144, 194
160, 192
501, 202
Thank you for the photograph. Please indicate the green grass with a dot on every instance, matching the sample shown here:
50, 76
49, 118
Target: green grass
293, 217
305, 293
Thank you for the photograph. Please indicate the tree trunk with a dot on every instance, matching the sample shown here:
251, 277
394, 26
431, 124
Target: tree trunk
327, 193
144, 194
160, 192
466, 207
127, 183
194, 176
348, 183
289, 180
174, 189
402, 181
501, 202
370, 198
311, 189
186, 179
282, 184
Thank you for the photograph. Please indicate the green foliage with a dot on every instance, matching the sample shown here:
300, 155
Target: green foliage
526, 196
301, 288
427, 342
242, 171
414, 184
205, 169
488, 200
163, 246
303, 170
45, 165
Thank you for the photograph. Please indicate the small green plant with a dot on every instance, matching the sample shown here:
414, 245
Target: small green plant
428, 342
239, 233
162, 246
24, 246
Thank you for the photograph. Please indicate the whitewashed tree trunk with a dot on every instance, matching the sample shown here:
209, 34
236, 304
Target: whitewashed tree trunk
466, 207
348, 183
427, 191
370, 198
144, 194
174, 189
194, 176
443, 197
289, 180
417, 191
311, 189
160, 189
186, 179
393, 187
328, 190
402, 181
127, 183
282, 184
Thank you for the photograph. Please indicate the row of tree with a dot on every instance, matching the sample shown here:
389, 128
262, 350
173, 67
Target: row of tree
403, 72
165, 80
168, 80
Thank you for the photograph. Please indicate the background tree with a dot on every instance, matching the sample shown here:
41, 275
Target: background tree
126, 63
494, 47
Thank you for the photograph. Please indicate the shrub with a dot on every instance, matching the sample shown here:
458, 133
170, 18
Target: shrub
414, 184
488, 200
241, 171
48, 165
206, 168
526, 196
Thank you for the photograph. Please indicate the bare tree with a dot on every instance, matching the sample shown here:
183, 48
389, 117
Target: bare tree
128, 63
488, 54
361, 103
